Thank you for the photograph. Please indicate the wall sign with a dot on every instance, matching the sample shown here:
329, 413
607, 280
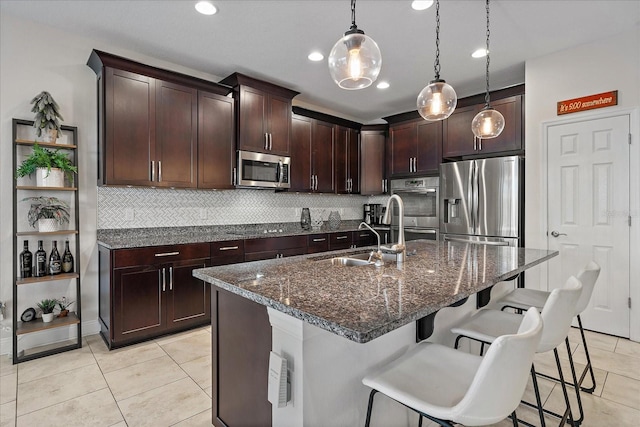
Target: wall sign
600, 100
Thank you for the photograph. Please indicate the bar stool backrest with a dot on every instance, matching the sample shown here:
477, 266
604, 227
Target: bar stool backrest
557, 314
502, 376
588, 276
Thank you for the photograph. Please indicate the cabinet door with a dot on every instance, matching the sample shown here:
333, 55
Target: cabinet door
373, 160
317, 243
340, 159
188, 298
138, 303
176, 135
403, 148
300, 153
364, 238
322, 146
511, 137
252, 122
279, 124
429, 147
339, 240
216, 142
353, 160
130, 126
458, 137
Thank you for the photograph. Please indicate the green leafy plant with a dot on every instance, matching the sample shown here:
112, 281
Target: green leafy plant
47, 207
47, 113
45, 158
63, 304
47, 305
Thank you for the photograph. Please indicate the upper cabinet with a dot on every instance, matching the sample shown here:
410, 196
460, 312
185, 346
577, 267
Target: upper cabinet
312, 155
347, 160
372, 155
153, 124
414, 148
264, 114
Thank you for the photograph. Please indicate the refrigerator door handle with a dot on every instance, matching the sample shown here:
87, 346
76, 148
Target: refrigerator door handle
475, 242
476, 197
470, 197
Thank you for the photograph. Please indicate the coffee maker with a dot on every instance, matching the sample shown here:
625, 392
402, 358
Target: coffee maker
371, 213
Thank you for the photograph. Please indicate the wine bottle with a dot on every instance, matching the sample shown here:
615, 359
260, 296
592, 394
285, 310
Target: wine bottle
67, 259
41, 261
26, 261
55, 264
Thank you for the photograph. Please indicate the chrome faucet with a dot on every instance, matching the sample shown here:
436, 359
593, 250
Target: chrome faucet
399, 247
377, 255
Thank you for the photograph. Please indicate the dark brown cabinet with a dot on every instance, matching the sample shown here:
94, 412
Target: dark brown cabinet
227, 252
347, 160
460, 141
150, 125
415, 148
340, 240
150, 291
317, 243
312, 155
274, 247
264, 114
372, 160
301, 176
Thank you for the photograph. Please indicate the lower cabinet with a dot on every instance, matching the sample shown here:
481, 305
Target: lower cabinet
151, 291
274, 247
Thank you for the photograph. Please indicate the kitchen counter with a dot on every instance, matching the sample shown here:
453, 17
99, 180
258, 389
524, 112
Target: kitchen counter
143, 237
362, 303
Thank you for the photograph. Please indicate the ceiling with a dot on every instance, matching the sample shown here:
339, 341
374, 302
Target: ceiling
271, 40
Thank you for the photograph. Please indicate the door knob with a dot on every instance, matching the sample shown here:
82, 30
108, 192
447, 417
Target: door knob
554, 233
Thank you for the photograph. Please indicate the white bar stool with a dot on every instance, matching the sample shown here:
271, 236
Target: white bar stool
449, 386
486, 325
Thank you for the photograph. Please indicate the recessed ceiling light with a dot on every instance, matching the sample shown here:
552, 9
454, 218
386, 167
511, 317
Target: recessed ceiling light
480, 53
383, 85
421, 5
206, 8
315, 56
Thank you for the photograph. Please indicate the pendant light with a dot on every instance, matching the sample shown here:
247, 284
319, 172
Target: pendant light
437, 100
488, 123
355, 60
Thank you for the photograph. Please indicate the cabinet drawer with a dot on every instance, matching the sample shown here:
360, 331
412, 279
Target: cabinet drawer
227, 252
274, 243
364, 238
258, 256
160, 254
339, 240
317, 243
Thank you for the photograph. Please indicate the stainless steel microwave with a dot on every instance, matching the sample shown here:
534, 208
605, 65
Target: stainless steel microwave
263, 170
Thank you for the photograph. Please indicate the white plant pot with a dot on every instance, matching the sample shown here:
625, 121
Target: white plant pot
46, 178
47, 317
47, 225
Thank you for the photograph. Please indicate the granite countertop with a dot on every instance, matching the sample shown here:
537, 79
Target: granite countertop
141, 237
362, 303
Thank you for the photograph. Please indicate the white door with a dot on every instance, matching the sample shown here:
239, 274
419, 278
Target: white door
588, 213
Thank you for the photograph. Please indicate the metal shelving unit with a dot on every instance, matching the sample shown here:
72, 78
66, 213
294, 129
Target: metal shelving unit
46, 284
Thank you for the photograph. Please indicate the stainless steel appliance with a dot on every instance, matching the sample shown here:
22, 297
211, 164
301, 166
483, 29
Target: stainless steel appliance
480, 201
372, 213
420, 198
263, 170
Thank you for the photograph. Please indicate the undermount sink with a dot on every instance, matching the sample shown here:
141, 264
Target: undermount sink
351, 261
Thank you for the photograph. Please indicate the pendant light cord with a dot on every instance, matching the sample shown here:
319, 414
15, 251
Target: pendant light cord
436, 64
486, 95
353, 15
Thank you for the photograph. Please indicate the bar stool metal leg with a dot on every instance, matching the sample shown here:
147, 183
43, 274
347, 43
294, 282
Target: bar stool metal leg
589, 367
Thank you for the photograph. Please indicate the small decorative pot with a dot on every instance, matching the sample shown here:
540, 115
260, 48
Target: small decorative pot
334, 220
49, 135
47, 317
52, 178
63, 313
47, 225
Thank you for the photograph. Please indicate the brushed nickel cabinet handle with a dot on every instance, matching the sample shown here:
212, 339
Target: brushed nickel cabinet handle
170, 278
319, 240
341, 237
167, 254
153, 171
164, 280
228, 248
159, 170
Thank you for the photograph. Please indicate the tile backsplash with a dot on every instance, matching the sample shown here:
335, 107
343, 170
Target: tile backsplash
155, 207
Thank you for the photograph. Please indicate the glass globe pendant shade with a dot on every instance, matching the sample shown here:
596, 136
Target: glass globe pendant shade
355, 61
437, 100
488, 123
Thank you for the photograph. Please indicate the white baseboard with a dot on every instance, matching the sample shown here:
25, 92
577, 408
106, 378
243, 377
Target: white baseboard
36, 339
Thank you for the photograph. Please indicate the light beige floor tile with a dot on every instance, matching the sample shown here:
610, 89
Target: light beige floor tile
630, 348
8, 385
142, 377
52, 365
152, 408
545, 363
617, 363
203, 419
8, 414
545, 386
209, 391
623, 390
599, 412
190, 347
58, 388
524, 413
199, 370
594, 339
93, 409
6, 365
122, 357
180, 335
120, 424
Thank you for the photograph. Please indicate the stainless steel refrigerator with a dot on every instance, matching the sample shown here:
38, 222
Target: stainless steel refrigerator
480, 201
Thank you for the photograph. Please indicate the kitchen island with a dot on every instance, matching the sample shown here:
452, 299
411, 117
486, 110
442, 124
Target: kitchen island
336, 323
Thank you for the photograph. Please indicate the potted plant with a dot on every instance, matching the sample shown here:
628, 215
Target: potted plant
47, 116
47, 306
63, 305
49, 212
50, 165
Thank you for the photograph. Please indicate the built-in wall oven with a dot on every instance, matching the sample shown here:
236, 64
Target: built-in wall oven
420, 198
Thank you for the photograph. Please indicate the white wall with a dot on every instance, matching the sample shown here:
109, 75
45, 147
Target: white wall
601, 66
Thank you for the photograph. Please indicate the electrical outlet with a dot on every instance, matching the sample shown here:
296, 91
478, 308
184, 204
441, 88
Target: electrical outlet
129, 214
